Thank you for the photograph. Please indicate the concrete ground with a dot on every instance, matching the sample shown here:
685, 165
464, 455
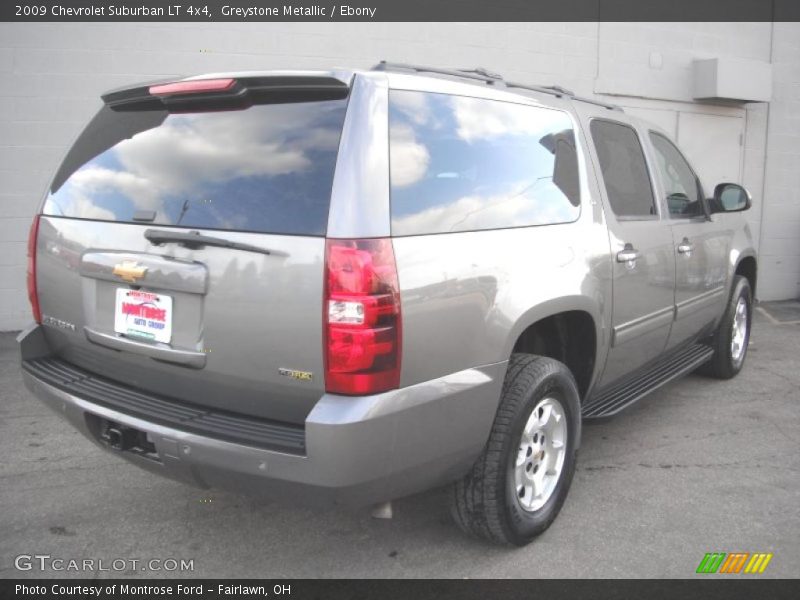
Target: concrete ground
700, 466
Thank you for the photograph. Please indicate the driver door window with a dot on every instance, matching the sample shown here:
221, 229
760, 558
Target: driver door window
683, 190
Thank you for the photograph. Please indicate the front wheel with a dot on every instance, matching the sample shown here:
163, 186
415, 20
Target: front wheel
519, 483
733, 336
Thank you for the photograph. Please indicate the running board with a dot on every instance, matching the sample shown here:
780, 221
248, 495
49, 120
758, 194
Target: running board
621, 395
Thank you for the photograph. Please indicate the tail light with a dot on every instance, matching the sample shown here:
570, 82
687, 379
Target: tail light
362, 317
33, 296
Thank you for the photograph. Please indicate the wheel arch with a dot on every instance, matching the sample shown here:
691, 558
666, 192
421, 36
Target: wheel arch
747, 267
568, 330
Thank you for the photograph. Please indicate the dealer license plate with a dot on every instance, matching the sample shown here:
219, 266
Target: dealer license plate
143, 315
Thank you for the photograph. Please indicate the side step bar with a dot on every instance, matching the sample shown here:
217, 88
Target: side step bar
621, 395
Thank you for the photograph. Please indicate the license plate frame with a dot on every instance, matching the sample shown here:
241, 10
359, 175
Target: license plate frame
141, 315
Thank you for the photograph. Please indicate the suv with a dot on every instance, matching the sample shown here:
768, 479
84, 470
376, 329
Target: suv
350, 286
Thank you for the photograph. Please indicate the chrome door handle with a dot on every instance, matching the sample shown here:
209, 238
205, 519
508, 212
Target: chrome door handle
685, 247
628, 254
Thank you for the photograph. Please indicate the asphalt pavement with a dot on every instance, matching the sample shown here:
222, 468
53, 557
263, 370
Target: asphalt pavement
699, 466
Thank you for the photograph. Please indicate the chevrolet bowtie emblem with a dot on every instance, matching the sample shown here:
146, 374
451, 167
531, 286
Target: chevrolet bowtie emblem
129, 270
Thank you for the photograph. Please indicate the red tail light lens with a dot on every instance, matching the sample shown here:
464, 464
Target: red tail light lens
33, 296
362, 317
196, 86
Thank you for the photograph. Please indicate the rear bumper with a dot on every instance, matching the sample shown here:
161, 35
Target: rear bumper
358, 450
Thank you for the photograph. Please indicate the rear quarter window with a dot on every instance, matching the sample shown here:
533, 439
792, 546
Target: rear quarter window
465, 164
268, 168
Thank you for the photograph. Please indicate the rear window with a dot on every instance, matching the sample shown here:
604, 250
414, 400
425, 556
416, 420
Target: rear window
268, 168
465, 164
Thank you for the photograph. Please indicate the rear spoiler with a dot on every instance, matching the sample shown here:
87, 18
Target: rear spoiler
227, 93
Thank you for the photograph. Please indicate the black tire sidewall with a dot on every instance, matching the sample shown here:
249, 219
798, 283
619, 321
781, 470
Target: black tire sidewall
524, 525
741, 290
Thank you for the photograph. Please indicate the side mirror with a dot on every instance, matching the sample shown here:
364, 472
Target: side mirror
730, 197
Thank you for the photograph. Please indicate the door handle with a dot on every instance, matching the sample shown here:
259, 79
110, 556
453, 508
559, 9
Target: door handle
685, 247
628, 255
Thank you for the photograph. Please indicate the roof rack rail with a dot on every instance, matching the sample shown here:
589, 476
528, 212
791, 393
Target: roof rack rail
490, 78
478, 74
559, 91
553, 90
607, 105
562, 90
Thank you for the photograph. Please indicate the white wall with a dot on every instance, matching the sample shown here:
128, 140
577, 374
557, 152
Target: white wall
51, 76
780, 228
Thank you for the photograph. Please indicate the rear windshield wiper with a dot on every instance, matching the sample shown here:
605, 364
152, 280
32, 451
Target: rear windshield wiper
195, 239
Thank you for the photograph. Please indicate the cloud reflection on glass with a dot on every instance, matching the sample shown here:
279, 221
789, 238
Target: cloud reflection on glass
268, 168
464, 164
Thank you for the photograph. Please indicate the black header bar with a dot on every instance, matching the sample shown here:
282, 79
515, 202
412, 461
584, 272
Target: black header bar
398, 10
701, 588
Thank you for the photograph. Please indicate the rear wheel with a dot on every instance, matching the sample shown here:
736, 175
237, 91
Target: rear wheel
733, 336
519, 483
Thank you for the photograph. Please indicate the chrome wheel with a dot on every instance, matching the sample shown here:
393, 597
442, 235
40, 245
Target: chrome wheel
739, 331
540, 459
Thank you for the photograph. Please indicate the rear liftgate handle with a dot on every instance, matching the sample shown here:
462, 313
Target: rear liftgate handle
162, 352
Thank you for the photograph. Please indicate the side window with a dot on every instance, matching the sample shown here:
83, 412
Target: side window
466, 164
683, 189
624, 169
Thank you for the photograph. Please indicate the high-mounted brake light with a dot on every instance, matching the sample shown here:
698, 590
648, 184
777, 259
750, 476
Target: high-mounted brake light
362, 318
33, 295
195, 86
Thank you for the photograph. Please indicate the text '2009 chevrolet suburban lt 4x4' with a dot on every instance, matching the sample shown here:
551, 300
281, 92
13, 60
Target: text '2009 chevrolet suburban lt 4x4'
350, 286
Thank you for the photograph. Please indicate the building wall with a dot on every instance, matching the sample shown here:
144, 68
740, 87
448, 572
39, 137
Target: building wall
780, 226
51, 76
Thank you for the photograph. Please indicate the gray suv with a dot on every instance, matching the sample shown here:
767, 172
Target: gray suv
350, 286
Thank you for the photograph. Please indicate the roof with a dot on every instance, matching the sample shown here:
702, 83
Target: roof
484, 77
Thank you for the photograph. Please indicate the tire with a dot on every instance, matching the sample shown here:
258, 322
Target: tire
487, 503
726, 363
